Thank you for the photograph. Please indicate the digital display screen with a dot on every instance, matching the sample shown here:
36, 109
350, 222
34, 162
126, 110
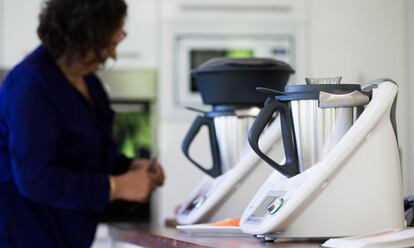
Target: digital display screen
262, 209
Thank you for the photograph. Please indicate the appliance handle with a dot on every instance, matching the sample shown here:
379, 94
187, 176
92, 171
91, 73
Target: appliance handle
200, 121
351, 99
291, 166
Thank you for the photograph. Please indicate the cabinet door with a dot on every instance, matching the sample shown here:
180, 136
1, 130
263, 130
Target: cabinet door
138, 49
230, 10
19, 20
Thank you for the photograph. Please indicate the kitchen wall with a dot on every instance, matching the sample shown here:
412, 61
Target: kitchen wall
363, 40
1, 35
19, 24
409, 66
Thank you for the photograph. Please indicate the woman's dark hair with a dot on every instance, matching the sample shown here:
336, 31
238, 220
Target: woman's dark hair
73, 27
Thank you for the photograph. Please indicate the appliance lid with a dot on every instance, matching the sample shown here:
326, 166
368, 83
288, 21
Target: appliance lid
234, 64
312, 91
230, 81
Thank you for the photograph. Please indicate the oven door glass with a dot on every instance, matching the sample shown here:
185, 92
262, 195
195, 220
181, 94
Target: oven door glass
132, 128
192, 51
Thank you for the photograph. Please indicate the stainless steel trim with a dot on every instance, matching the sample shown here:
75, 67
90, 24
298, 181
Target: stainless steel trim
318, 130
247, 112
231, 133
352, 99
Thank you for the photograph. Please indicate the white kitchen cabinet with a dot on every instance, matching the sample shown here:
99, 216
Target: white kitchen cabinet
257, 10
138, 50
19, 20
1, 33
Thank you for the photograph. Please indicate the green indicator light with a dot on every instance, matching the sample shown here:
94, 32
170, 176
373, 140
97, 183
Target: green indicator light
240, 53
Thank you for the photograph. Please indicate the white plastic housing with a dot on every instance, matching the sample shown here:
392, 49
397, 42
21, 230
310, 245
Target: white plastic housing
355, 189
228, 195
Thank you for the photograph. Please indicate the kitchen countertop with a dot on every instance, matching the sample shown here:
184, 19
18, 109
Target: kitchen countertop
155, 236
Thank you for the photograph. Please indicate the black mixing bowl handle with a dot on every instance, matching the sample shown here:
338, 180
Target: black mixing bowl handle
200, 121
291, 166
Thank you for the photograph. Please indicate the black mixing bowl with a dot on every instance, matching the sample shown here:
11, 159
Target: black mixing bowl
233, 81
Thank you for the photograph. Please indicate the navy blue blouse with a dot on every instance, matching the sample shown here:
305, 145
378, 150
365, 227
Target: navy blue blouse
56, 152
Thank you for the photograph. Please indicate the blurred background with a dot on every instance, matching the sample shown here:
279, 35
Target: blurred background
150, 83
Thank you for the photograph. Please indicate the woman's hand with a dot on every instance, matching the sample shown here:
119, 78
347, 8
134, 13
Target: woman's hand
134, 185
152, 166
138, 183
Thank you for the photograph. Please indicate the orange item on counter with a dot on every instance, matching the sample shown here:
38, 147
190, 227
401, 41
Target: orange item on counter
227, 222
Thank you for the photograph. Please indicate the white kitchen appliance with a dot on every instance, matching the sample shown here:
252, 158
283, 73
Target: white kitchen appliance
229, 86
356, 187
226, 196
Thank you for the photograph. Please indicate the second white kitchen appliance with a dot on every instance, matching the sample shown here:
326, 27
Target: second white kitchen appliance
227, 195
229, 85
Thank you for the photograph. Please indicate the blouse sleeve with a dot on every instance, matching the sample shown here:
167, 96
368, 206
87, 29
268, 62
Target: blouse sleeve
121, 164
33, 140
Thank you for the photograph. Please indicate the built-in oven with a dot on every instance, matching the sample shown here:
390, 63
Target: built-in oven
132, 95
192, 50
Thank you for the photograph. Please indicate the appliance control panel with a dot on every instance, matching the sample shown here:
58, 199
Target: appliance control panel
270, 205
201, 195
272, 197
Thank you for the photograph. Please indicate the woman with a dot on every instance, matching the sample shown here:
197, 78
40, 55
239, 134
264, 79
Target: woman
58, 164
